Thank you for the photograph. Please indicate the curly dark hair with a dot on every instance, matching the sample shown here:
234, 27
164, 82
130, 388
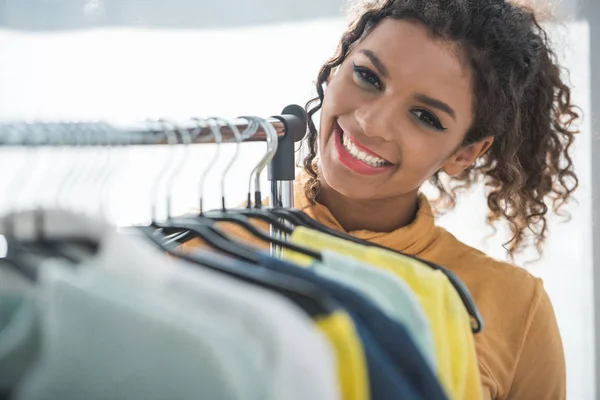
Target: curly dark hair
520, 99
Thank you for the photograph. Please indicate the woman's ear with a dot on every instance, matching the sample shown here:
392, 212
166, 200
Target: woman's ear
466, 156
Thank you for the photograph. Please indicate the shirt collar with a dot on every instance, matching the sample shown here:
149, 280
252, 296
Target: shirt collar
413, 238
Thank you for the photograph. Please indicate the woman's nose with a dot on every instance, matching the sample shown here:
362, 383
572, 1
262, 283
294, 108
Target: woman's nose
376, 121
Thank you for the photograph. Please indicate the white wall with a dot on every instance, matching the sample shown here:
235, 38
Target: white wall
127, 75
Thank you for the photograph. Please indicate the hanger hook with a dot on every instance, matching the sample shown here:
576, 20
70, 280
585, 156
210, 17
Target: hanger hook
63, 138
70, 136
238, 139
17, 184
93, 159
272, 144
171, 141
216, 132
16, 180
105, 144
186, 140
251, 129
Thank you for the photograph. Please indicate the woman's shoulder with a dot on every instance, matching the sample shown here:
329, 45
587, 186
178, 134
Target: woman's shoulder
490, 281
520, 342
466, 260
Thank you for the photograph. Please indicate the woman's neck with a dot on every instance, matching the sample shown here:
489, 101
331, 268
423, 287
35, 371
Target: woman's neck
383, 215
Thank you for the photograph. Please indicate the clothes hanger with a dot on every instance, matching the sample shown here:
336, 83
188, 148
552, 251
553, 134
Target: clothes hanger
26, 255
250, 212
244, 222
297, 217
70, 248
315, 302
199, 227
171, 230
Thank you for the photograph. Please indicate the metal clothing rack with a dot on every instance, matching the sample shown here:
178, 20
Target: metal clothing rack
290, 126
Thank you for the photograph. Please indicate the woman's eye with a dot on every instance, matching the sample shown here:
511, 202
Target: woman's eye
367, 76
429, 119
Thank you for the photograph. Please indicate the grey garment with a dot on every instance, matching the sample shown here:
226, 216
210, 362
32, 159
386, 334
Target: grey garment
19, 329
105, 338
386, 290
13, 282
19, 339
295, 359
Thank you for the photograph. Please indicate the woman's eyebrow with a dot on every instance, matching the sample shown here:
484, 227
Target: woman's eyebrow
440, 105
376, 62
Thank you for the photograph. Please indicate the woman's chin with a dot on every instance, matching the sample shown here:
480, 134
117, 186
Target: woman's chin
349, 186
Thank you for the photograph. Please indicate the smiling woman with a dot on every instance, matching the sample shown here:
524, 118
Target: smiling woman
468, 91
390, 98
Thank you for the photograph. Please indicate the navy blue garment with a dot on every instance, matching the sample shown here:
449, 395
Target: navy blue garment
385, 383
406, 360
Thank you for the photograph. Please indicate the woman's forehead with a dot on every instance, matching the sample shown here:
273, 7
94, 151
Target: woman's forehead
402, 44
418, 62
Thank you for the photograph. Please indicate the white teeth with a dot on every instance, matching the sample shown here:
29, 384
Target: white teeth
361, 155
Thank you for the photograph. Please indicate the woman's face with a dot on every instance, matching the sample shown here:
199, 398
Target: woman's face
395, 112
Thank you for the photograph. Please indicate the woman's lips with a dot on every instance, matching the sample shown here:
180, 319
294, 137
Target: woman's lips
359, 160
359, 147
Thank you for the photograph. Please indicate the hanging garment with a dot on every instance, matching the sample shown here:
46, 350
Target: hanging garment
19, 330
298, 361
169, 330
406, 360
455, 350
105, 338
278, 322
349, 353
387, 291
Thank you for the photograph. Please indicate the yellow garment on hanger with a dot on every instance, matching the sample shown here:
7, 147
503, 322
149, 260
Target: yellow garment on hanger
454, 344
350, 358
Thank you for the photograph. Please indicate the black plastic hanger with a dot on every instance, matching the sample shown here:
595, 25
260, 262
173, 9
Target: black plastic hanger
263, 214
256, 232
17, 257
313, 301
25, 257
297, 217
217, 242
